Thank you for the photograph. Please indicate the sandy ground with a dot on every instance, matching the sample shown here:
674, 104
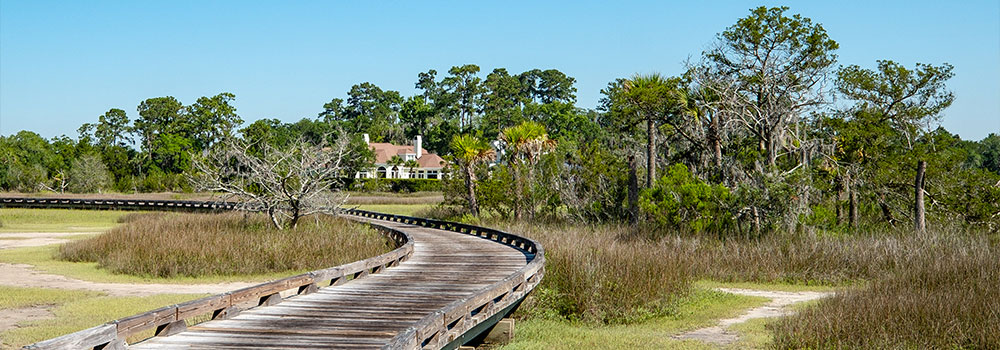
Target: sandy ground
21, 275
9, 318
719, 334
35, 239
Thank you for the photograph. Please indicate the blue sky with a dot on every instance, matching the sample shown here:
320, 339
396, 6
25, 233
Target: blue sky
65, 63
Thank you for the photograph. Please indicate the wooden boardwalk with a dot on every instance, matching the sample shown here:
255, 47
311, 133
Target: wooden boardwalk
367, 313
443, 285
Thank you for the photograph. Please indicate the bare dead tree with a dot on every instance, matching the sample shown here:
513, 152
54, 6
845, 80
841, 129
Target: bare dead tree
286, 183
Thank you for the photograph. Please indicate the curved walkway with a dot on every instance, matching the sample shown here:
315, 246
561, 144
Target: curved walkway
365, 313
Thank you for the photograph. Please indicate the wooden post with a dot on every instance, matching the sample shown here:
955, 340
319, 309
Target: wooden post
918, 198
502, 332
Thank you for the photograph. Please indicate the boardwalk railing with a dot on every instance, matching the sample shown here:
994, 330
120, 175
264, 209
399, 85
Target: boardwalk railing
114, 204
447, 328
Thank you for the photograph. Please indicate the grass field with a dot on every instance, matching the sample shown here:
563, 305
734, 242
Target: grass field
57, 220
45, 259
398, 209
226, 244
702, 308
73, 311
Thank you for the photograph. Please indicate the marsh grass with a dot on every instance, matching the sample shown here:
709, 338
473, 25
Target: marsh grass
944, 294
593, 276
896, 290
193, 245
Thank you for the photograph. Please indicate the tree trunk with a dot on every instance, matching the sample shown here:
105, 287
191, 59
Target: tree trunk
650, 152
470, 185
886, 211
756, 221
633, 191
716, 143
295, 215
519, 193
529, 197
841, 194
274, 218
852, 199
918, 198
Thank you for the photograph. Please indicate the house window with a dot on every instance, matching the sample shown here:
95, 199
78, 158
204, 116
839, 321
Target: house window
433, 174
381, 172
421, 174
395, 172
410, 156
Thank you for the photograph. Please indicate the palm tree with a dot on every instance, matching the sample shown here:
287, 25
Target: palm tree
468, 152
527, 141
410, 166
395, 162
652, 98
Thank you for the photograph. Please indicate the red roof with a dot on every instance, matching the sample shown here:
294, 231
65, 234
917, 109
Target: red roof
385, 151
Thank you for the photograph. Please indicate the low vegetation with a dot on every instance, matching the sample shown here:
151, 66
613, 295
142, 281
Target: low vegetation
940, 289
702, 308
56, 220
943, 294
75, 310
169, 245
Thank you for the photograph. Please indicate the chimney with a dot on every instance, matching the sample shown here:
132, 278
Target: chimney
418, 145
366, 139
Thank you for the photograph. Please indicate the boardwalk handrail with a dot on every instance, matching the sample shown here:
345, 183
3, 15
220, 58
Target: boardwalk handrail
171, 319
445, 327
116, 204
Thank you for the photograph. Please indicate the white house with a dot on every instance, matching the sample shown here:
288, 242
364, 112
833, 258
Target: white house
429, 165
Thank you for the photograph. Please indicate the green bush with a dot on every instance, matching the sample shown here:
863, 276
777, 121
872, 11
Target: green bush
393, 185
682, 201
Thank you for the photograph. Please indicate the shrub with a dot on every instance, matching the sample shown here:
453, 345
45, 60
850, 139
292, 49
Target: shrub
88, 174
682, 201
393, 185
167, 245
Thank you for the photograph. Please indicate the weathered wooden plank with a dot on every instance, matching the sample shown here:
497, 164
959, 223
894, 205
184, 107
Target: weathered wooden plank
85, 339
203, 306
134, 324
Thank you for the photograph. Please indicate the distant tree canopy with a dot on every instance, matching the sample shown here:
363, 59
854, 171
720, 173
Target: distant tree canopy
746, 139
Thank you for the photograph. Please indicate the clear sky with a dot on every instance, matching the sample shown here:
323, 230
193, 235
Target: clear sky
65, 63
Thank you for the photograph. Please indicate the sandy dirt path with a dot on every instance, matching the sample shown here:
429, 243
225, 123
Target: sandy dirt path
9, 318
719, 334
36, 239
22, 275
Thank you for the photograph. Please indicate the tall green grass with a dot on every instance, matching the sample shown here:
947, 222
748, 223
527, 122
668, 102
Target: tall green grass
192, 245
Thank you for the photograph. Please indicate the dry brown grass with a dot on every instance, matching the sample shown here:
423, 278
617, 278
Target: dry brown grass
943, 294
591, 275
176, 244
904, 291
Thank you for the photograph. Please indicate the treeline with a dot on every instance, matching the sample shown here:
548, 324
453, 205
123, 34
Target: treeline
747, 140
